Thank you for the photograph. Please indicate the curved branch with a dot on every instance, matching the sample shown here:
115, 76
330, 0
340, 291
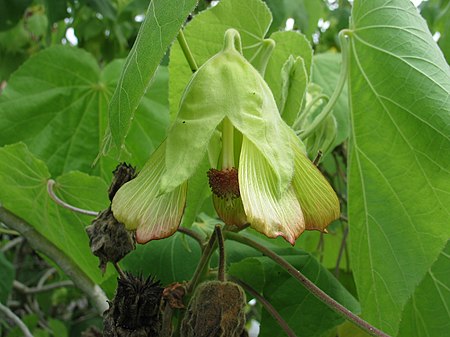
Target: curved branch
40, 243
193, 234
21, 325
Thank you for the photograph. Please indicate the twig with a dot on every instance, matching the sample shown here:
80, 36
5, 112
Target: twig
11, 244
266, 304
310, 286
337, 91
40, 243
341, 251
49, 272
27, 290
7, 231
21, 325
193, 234
119, 270
55, 198
221, 274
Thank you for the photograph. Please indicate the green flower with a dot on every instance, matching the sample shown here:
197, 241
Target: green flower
263, 179
139, 205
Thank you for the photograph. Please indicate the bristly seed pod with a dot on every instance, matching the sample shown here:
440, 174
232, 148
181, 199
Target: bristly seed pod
215, 310
135, 309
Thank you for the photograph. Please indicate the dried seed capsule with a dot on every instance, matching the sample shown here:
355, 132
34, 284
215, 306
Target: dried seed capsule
108, 239
135, 309
215, 310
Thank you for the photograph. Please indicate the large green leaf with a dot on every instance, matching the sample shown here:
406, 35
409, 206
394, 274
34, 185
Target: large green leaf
162, 22
24, 192
399, 190
304, 313
170, 260
427, 312
326, 69
57, 103
205, 34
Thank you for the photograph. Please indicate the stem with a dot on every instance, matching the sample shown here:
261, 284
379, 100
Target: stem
306, 112
193, 234
40, 243
11, 244
51, 193
266, 304
202, 265
187, 51
310, 286
227, 144
221, 275
119, 271
341, 251
21, 325
340, 85
40, 289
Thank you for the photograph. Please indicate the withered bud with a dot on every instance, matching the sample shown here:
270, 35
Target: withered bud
215, 310
108, 239
224, 183
135, 309
173, 295
122, 174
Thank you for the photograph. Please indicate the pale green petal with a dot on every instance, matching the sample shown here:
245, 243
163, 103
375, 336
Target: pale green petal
319, 202
271, 215
227, 85
139, 206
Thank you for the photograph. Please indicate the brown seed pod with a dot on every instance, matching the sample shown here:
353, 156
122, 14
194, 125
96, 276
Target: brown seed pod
108, 239
135, 309
215, 310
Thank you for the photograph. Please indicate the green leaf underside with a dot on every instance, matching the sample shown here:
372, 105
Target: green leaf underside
325, 72
170, 260
161, 25
427, 312
204, 35
398, 174
24, 192
252, 111
306, 315
139, 206
60, 113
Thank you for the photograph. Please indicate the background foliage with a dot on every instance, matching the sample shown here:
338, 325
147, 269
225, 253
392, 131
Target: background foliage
387, 258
